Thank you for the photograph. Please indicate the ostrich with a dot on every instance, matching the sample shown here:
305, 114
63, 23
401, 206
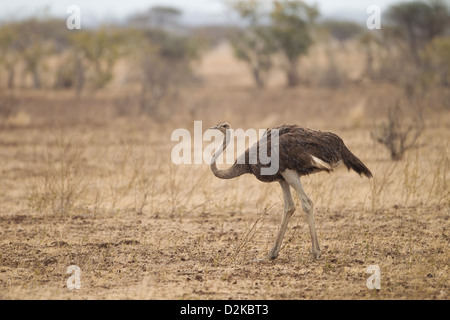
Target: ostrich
301, 151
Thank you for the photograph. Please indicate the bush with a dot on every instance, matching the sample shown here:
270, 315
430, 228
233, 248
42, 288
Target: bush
395, 135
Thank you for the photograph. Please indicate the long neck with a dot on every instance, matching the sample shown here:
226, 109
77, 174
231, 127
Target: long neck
235, 171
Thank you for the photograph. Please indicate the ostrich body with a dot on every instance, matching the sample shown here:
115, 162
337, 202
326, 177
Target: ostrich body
301, 151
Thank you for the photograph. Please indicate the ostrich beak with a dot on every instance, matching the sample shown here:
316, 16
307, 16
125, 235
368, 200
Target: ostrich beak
213, 128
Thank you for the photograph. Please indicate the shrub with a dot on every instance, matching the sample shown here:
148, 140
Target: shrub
395, 135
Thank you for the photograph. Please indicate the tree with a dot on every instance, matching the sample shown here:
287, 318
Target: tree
292, 27
34, 44
420, 22
164, 17
159, 17
30, 42
8, 52
161, 57
162, 61
95, 55
256, 48
254, 43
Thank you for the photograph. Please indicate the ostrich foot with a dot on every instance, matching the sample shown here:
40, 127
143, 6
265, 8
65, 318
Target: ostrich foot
270, 257
316, 253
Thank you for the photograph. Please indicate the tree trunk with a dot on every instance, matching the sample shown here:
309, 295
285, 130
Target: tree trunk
80, 78
293, 79
257, 77
37, 84
369, 63
413, 46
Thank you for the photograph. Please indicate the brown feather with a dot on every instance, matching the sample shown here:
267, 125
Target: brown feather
297, 148
297, 145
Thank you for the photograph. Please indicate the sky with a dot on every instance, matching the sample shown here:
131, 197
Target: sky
194, 11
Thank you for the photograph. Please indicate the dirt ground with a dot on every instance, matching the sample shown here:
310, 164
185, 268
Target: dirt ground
129, 257
82, 186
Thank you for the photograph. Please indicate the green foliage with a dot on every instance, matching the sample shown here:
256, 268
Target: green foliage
161, 58
7, 39
32, 44
408, 51
291, 27
8, 52
283, 28
255, 46
161, 62
292, 24
96, 52
254, 43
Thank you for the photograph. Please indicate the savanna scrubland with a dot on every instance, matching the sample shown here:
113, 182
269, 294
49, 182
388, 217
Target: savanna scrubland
87, 178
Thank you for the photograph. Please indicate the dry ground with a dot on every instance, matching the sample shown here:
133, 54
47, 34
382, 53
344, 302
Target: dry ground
81, 186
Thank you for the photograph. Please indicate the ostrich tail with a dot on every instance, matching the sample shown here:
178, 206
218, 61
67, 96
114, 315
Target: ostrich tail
352, 162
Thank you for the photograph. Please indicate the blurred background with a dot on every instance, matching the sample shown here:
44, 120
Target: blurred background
137, 57
86, 117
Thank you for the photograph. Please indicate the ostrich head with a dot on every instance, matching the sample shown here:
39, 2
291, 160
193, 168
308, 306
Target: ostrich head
222, 127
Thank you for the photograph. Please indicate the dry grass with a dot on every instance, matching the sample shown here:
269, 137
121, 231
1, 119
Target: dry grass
100, 192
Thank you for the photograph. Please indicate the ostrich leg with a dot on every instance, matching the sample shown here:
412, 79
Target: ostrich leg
289, 208
294, 180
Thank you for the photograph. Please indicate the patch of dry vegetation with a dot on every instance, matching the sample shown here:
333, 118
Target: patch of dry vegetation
90, 182
104, 196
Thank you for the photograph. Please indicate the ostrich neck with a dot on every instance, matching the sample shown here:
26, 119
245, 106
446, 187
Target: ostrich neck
235, 171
